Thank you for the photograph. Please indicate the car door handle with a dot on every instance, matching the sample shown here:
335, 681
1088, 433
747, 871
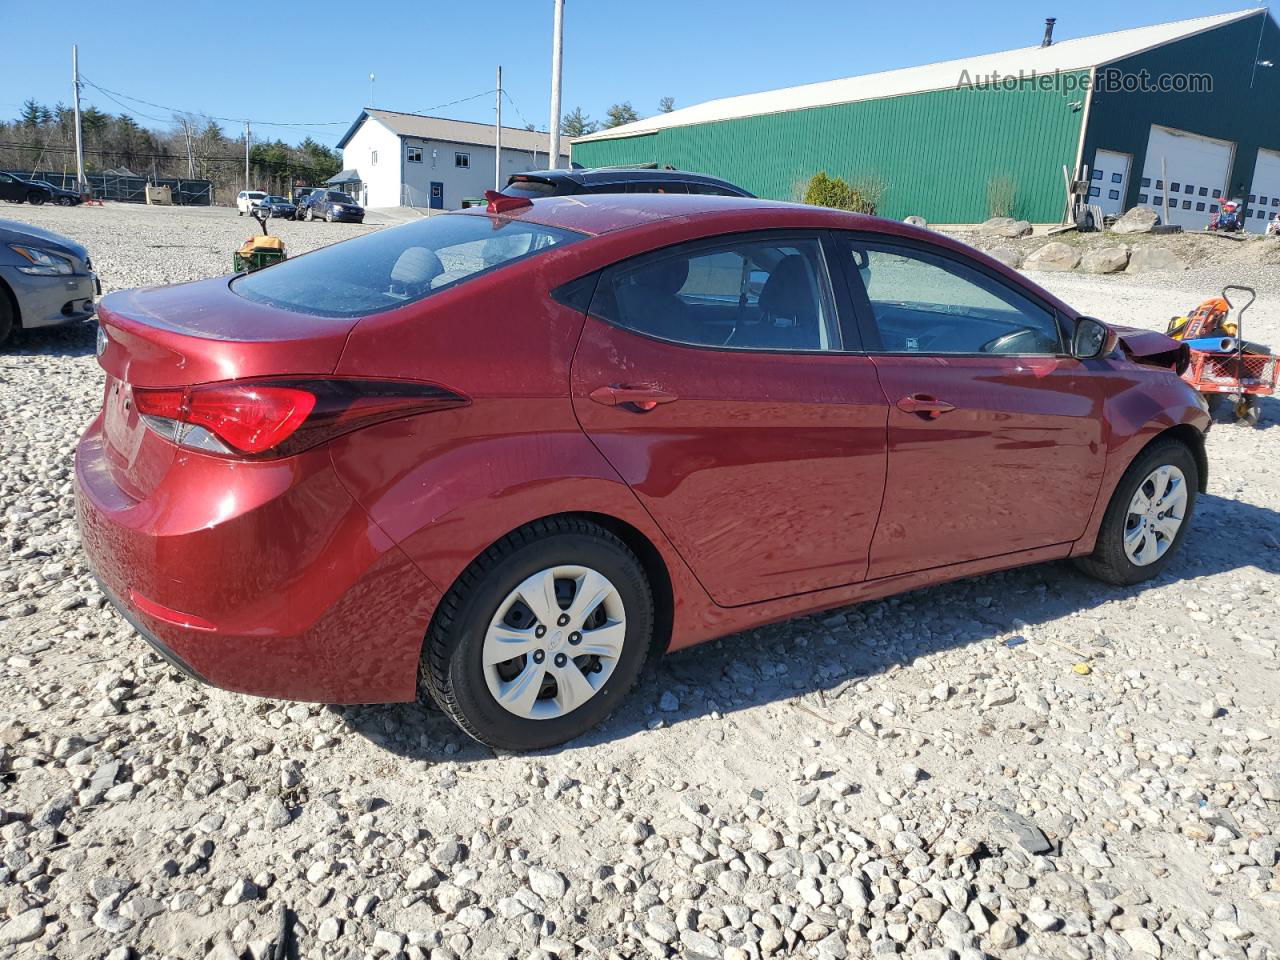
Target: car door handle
930, 408
643, 398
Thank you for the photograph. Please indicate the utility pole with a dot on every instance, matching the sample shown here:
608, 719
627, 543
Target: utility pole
246, 154
557, 44
497, 138
75, 99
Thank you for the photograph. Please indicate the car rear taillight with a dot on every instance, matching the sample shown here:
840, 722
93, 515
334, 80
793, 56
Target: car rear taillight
280, 417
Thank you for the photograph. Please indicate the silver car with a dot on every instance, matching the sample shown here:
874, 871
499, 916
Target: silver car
46, 279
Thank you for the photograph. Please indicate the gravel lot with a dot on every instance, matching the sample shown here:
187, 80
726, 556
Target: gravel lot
931, 775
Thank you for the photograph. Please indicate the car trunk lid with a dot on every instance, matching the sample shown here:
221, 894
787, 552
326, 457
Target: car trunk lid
191, 334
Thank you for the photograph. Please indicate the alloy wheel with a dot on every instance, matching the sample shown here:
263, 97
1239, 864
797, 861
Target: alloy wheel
1155, 515
553, 642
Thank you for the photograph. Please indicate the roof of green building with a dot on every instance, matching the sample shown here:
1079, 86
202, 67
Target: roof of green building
1081, 53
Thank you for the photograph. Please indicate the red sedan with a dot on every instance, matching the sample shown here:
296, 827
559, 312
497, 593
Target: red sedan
501, 457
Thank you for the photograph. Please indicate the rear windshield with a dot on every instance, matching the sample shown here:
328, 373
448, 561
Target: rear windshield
530, 188
390, 268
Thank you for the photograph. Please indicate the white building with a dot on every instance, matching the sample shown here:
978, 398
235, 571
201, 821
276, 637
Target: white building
394, 159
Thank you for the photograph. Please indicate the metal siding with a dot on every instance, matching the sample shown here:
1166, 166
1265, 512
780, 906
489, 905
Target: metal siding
1236, 111
934, 151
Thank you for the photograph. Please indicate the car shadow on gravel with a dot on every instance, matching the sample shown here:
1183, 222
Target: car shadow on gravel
76, 340
818, 654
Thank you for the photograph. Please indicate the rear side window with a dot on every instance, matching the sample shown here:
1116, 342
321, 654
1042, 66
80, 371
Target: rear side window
750, 294
387, 269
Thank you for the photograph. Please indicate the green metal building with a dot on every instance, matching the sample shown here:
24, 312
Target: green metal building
1185, 112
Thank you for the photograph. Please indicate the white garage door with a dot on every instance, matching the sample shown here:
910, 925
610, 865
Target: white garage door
1264, 195
1197, 169
1109, 179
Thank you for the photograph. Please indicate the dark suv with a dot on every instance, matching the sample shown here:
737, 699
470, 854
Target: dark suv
333, 205
558, 183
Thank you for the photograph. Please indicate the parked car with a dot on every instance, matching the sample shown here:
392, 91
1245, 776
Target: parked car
46, 279
248, 200
559, 183
278, 206
333, 206
60, 196
16, 190
552, 438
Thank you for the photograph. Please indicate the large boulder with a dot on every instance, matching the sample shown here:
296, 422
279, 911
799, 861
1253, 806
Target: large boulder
1149, 258
1005, 227
1105, 259
1053, 256
916, 221
1009, 256
1137, 220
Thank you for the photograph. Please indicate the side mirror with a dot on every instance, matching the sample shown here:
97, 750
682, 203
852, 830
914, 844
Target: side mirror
1092, 339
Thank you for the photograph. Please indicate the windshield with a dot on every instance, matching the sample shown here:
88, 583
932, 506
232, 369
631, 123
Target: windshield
337, 197
255, 195
276, 200
401, 265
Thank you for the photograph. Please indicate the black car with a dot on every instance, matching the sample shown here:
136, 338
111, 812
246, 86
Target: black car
278, 207
16, 190
65, 198
559, 183
333, 205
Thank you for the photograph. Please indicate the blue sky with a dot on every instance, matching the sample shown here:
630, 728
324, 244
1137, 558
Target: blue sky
314, 68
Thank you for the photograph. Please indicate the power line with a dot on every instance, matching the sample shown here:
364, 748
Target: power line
452, 103
161, 106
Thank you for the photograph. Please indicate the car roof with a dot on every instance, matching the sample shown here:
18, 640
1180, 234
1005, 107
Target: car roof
586, 175
601, 213
597, 213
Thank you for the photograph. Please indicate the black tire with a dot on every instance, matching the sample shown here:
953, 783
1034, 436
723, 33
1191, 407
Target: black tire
1109, 562
35, 198
239, 212
451, 672
8, 322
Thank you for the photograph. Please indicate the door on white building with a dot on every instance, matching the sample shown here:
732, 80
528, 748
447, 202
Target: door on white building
1264, 195
1195, 178
1108, 180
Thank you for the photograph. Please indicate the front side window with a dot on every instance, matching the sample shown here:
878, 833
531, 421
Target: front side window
926, 303
462, 160
414, 154
656, 186
389, 268
711, 189
751, 294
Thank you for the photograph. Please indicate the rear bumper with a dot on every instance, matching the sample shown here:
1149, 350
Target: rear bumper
263, 578
131, 618
51, 301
